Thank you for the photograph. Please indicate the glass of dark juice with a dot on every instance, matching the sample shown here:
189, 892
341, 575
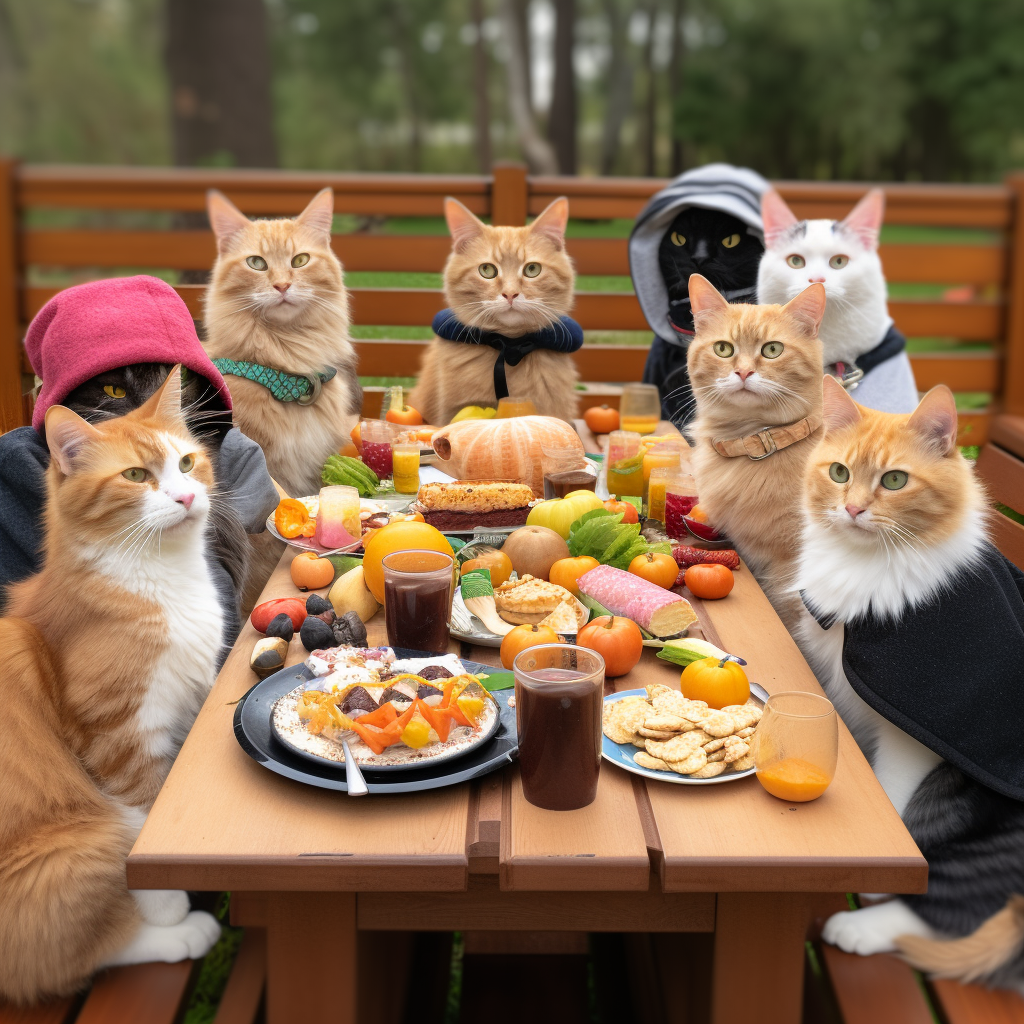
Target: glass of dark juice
559, 701
418, 598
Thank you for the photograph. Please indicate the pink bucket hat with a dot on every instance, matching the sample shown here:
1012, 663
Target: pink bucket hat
95, 327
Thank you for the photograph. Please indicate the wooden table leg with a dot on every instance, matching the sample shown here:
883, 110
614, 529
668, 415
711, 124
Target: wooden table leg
759, 957
303, 928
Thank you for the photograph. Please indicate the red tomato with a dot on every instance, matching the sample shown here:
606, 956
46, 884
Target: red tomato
290, 606
629, 512
618, 640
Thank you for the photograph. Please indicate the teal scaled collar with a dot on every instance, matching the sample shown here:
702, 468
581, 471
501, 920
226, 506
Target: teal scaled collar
285, 387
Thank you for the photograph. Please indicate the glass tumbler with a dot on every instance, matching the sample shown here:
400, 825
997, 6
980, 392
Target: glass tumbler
625, 464
640, 408
418, 598
405, 465
559, 703
514, 406
565, 470
797, 745
376, 436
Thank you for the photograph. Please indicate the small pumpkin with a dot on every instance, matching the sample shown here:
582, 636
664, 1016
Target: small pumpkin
656, 567
601, 419
311, 572
496, 562
567, 571
559, 514
617, 639
718, 682
628, 510
524, 636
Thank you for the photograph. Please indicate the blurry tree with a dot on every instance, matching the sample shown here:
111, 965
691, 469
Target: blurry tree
218, 65
481, 88
562, 117
619, 82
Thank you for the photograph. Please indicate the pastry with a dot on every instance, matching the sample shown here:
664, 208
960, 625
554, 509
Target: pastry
530, 599
467, 504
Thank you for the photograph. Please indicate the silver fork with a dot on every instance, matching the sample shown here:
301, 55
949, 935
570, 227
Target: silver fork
353, 776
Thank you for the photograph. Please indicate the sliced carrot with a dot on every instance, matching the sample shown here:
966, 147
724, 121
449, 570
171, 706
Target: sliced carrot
374, 738
438, 719
384, 715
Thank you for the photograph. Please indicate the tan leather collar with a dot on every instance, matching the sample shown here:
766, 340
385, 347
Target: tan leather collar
767, 442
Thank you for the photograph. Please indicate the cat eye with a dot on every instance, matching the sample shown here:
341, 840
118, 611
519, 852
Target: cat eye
256, 262
531, 270
838, 262
723, 349
300, 259
731, 242
488, 270
796, 262
136, 475
839, 473
186, 463
114, 391
894, 479
677, 239
772, 349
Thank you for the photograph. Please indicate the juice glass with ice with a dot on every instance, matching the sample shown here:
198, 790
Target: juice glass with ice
662, 477
405, 465
797, 746
625, 464
640, 408
667, 455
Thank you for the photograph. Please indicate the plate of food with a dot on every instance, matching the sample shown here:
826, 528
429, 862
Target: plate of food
484, 616
299, 523
420, 733
464, 506
659, 734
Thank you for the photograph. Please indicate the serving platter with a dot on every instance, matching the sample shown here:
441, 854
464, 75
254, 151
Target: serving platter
312, 503
466, 626
621, 754
255, 735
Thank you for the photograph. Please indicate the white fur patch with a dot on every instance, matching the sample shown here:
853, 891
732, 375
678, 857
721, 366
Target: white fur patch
874, 929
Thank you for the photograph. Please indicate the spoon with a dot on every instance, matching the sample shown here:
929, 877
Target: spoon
356, 783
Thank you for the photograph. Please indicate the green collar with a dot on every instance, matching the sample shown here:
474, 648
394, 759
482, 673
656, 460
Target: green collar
285, 387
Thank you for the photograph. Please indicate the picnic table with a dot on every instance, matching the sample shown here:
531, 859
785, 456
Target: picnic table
322, 872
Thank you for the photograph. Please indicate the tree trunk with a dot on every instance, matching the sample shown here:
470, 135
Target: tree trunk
522, 14
480, 87
651, 99
620, 86
562, 119
403, 35
536, 149
675, 83
218, 63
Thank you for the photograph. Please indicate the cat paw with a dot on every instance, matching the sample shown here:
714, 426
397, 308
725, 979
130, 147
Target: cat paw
873, 929
162, 906
188, 940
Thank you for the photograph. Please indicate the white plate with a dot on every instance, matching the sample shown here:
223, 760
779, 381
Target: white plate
312, 504
466, 626
621, 754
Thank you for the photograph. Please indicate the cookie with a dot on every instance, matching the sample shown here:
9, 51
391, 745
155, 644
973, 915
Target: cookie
734, 751
743, 764
709, 771
679, 748
656, 734
694, 763
645, 760
667, 723
622, 718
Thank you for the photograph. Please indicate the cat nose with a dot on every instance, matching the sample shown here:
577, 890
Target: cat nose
701, 252
854, 511
816, 280
185, 499
282, 288
511, 298
743, 374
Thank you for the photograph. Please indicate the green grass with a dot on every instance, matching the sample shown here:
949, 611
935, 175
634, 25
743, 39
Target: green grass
213, 975
1017, 517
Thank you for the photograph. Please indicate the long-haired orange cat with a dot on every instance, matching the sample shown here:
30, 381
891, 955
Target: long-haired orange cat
756, 377
109, 652
277, 324
509, 290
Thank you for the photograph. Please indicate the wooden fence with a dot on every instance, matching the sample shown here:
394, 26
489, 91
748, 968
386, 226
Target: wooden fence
982, 309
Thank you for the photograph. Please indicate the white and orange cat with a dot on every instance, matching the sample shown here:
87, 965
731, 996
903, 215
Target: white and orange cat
512, 282
109, 652
756, 377
277, 298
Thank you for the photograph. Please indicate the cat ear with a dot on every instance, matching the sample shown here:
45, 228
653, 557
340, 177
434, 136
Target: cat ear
318, 215
807, 309
67, 435
777, 217
705, 297
165, 403
552, 221
838, 409
865, 219
463, 224
935, 420
226, 219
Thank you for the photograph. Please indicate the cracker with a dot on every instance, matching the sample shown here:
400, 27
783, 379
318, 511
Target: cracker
679, 748
743, 764
702, 737
694, 763
718, 723
744, 733
717, 755
670, 702
749, 710
734, 751
715, 744
645, 760
709, 771
656, 734
667, 723
622, 718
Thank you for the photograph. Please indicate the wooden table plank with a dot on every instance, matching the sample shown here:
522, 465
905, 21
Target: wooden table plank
223, 822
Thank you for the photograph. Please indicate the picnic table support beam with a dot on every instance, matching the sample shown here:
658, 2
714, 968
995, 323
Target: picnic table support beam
759, 956
12, 413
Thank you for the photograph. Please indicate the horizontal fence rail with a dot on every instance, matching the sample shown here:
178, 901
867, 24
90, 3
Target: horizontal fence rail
972, 290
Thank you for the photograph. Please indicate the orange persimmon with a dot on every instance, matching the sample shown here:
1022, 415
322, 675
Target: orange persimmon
290, 517
655, 567
601, 419
709, 581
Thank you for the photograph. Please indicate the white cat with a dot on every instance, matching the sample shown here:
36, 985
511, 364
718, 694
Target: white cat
857, 331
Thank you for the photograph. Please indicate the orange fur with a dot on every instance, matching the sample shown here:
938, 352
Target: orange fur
453, 374
79, 653
245, 319
755, 503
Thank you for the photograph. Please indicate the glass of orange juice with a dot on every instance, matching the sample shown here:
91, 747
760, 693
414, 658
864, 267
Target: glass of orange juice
797, 745
514, 406
405, 462
640, 408
625, 464
667, 455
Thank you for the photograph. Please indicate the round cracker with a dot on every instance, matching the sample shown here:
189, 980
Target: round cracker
709, 771
645, 760
743, 764
676, 749
694, 763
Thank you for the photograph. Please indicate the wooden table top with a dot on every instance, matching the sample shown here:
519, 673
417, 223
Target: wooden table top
222, 821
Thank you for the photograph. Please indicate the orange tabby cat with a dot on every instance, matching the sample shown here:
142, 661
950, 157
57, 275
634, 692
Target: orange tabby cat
756, 367
508, 302
277, 297
109, 652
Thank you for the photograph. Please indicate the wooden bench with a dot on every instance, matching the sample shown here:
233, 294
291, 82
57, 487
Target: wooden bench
155, 993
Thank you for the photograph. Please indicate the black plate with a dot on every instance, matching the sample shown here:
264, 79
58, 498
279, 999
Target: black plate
256, 737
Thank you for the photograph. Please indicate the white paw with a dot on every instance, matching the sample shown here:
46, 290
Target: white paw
162, 906
189, 939
873, 929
